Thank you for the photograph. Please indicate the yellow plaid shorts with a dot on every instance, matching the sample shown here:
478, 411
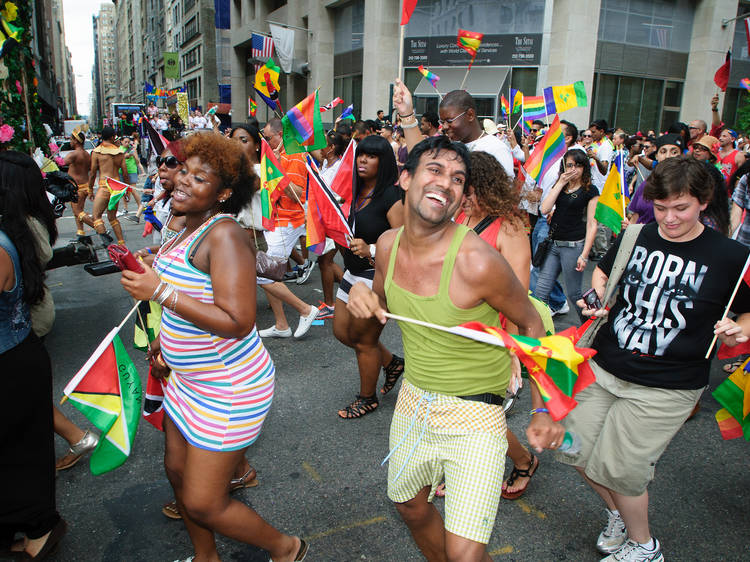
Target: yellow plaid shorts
471, 458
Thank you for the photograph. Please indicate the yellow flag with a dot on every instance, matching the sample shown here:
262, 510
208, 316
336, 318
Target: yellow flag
610, 209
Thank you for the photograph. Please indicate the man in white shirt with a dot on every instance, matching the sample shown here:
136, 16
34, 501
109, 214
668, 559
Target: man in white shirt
458, 116
199, 122
600, 153
161, 123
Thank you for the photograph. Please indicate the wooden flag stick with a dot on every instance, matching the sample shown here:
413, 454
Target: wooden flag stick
461, 87
729, 304
455, 330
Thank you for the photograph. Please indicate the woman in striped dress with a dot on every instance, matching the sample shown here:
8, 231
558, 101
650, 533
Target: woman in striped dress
222, 379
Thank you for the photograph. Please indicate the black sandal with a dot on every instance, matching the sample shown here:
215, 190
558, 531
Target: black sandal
393, 371
521, 473
361, 406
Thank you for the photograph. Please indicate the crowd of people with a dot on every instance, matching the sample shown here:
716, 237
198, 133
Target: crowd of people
444, 231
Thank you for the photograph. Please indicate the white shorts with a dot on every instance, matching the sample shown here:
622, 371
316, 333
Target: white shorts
281, 242
350, 279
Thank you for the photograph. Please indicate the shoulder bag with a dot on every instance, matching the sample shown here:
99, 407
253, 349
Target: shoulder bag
618, 268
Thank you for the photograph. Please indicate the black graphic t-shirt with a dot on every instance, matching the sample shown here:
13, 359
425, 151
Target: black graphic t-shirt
569, 218
670, 296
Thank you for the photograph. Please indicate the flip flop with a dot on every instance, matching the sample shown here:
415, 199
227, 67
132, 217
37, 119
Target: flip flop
730, 368
247, 480
521, 473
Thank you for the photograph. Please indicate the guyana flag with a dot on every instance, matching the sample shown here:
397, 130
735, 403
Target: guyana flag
107, 390
559, 369
272, 183
116, 191
734, 397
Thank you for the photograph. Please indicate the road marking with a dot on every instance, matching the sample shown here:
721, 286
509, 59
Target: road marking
507, 549
531, 510
54, 285
340, 528
311, 471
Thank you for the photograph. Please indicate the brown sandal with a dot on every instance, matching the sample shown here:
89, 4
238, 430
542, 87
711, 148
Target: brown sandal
521, 473
171, 510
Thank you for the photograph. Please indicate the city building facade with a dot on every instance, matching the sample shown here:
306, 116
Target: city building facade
105, 85
644, 64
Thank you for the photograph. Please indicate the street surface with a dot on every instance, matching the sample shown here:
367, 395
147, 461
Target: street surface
320, 476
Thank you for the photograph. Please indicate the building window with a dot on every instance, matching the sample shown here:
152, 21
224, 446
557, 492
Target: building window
191, 59
188, 4
663, 25
193, 91
636, 104
191, 29
349, 27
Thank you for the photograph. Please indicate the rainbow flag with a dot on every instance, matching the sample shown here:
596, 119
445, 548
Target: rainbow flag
559, 369
745, 83
267, 84
303, 126
525, 127
107, 390
547, 151
610, 209
469, 41
431, 77
117, 190
734, 397
272, 183
504, 106
534, 107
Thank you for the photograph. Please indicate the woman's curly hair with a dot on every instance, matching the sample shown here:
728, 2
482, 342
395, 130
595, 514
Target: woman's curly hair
230, 163
493, 189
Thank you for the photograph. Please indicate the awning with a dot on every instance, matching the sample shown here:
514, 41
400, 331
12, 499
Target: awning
482, 81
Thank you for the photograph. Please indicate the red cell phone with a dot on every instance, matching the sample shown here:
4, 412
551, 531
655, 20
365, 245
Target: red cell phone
122, 257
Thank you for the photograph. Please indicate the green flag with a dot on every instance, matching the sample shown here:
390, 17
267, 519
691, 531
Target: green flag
107, 390
171, 65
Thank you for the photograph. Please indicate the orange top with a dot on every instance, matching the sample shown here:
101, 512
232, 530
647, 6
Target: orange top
290, 212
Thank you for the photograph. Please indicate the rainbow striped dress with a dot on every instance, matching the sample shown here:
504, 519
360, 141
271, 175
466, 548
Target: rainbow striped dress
220, 390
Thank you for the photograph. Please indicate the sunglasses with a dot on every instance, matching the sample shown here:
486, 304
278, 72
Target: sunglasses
586, 136
169, 161
451, 120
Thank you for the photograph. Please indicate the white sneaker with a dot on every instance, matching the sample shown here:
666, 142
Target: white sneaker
305, 322
274, 332
631, 551
564, 309
614, 534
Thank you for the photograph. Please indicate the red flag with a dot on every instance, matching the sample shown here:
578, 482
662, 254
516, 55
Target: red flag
343, 182
153, 405
721, 78
407, 9
324, 215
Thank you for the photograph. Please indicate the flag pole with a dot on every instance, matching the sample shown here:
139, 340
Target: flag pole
729, 304
401, 50
455, 330
97, 353
622, 183
461, 87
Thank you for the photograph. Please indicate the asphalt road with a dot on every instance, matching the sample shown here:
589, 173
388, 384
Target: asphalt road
321, 478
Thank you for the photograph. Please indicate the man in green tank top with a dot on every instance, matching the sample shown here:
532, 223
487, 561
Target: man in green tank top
448, 419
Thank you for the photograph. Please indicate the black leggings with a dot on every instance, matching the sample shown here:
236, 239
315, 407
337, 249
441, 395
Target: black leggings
27, 449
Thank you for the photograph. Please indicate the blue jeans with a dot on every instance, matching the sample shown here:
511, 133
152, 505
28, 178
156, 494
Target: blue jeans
561, 258
556, 296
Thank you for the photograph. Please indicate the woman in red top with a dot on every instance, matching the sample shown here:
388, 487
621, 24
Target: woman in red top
490, 207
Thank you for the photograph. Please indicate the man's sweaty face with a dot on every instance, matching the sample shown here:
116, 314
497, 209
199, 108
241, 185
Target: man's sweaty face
436, 188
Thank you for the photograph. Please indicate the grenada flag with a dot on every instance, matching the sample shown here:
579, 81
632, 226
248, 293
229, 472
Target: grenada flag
116, 191
107, 390
272, 183
610, 208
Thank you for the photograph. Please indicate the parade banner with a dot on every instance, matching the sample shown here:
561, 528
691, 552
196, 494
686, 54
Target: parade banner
171, 65
495, 50
182, 107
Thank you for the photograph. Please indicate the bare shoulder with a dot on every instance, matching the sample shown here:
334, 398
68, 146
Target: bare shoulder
476, 260
386, 240
227, 231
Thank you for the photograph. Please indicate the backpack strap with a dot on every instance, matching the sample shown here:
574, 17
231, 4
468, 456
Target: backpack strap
621, 260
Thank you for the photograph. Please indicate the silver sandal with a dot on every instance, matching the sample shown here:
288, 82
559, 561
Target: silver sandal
88, 443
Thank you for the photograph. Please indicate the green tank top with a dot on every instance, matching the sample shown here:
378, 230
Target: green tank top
438, 361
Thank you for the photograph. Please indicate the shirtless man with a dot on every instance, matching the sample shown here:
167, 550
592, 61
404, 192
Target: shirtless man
79, 164
107, 160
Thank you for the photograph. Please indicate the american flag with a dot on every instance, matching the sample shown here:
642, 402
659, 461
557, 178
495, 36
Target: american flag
262, 46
